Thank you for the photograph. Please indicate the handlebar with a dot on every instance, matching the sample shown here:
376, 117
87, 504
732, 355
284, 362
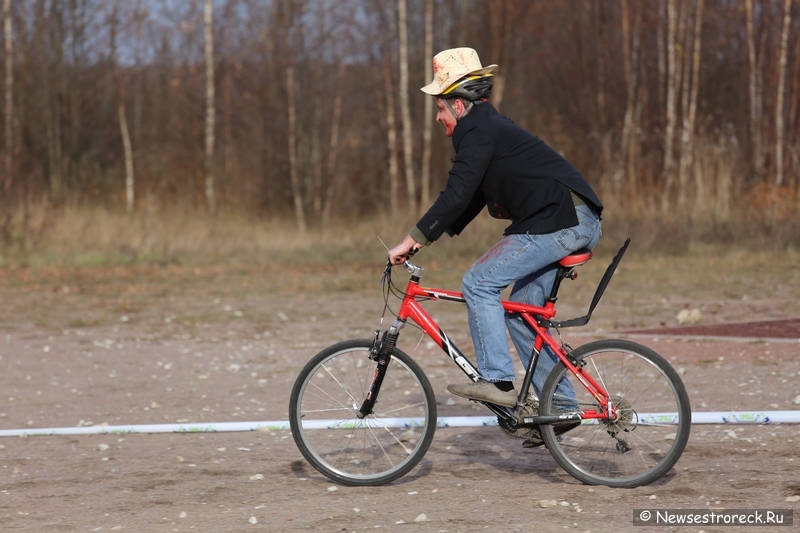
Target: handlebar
415, 271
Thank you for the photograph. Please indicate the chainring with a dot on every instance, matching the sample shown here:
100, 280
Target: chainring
531, 408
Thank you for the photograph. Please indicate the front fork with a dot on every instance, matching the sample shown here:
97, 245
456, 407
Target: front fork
381, 352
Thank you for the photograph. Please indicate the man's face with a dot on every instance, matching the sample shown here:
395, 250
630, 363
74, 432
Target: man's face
445, 116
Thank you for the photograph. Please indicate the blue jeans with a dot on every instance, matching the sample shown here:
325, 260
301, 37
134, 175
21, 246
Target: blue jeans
527, 261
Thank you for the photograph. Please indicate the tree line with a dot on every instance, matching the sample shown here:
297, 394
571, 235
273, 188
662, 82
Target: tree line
312, 109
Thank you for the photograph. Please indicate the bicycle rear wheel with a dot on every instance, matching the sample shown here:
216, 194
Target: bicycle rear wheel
652, 428
377, 449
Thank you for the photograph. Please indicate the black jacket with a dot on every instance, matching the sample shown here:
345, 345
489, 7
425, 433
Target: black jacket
512, 172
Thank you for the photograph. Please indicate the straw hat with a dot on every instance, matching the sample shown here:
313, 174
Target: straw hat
451, 65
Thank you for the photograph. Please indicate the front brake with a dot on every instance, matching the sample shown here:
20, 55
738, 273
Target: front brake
387, 274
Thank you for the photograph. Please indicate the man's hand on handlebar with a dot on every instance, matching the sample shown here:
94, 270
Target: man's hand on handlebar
400, 253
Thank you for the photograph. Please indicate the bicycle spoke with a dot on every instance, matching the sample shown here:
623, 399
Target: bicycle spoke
622, 451
344, 388
354, 450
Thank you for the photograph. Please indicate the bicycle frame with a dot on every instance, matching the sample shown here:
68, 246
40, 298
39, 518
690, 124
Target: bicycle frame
411, 309
539, 318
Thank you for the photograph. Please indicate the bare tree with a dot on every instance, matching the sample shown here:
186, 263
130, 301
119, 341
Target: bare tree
672, 87
755, 85
9, 94
315, 149
49, 24
122, 114
333, 150
74, 93
661, 51
601, 63
126, 144
793, 133
227, 96
779, 127
391, 138
597, 74
690, 111
427, 120
211, 203
501, 14
631, 58
291, 107
405, 111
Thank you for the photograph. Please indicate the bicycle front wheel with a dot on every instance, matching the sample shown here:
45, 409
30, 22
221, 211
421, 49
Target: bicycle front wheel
379, 448
653, 422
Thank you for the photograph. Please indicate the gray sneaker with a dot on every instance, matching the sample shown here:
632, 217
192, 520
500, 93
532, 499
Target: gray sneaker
485, 391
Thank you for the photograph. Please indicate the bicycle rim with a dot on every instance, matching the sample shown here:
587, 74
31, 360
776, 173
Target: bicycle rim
652, 428
374, 450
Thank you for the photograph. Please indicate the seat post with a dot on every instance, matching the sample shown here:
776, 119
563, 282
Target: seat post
561, 274
565, 269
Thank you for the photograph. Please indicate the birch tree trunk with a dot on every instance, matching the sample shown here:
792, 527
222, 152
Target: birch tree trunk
315, 156
122, 115
689, 108
330, 172
634, 154
501, 12
685, 40
672, 82
51, 103
631, 60
74, 93
391, 134
227, 99
293, 172
408, 155
795, 92
700, 189
601, 66
126, 144
636, 109
428, 120
211, 202
756, 111
9, 98
661, 51
793, 134
779, 129
291, 105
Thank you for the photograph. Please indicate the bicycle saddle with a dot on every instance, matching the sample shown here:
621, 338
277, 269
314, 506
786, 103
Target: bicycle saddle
576, 258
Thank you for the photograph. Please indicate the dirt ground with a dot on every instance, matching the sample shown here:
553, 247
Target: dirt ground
165, 345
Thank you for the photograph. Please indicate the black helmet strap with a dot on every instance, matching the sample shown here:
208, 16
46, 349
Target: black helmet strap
467, 107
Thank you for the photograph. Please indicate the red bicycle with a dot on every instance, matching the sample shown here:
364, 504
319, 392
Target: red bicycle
611, 412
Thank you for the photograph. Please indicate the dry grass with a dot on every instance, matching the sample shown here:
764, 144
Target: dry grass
94, 236
109, 253
98, 236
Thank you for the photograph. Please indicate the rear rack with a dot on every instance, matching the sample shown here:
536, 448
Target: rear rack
582, 321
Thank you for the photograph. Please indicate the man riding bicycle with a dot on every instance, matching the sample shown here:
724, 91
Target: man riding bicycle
551, 208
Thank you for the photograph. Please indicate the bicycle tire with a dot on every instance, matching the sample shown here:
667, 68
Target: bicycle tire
653, 427
380, 448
